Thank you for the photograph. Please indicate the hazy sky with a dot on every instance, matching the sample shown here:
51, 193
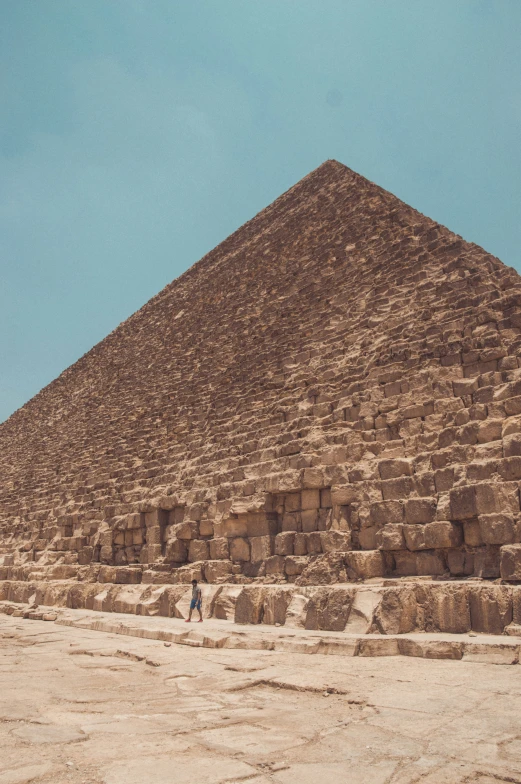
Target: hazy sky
135, 135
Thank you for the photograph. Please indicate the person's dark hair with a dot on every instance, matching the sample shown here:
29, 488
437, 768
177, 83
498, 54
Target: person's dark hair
194, 582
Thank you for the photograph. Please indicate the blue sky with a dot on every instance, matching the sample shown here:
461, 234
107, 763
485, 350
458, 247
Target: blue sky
135, 135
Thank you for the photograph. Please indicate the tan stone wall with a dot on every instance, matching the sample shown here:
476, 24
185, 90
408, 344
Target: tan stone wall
333, 393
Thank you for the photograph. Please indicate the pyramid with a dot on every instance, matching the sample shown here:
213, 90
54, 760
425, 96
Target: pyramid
331, 396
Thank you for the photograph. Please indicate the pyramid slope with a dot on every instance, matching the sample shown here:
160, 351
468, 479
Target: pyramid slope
337, 330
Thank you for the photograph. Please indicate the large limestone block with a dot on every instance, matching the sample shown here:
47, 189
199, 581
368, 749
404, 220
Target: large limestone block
329, 609
276, 602
510, 468
497, 528
397, 611
275, 566
176, 551
261, 547
447, 608
442, 534
420, 510
361, 615
151, 600
395, 467
430, 562
296, 611
333, 541
218, 571
81, 596
310, 499
284, 543
390, 537
219, 548
309, 520
127, 599
385, 512
484, 498
239, 549
491, 608
224, 603
510, 562
198, 550
295, 565
249, 606
364, 565
260, 524
323, 570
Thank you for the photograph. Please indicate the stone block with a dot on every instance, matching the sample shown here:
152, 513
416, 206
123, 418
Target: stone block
219, 548
497, 529
491, 608
261, 547
217, 571
310, 499
153, 536
261, 524
512, 445
239, 549
249, 605
442, 534
430, 562
365, 565
449, 609
198, 550
176, 551
335, 541
510, 562
395, 489
509, 468
235, 526
487, 562
460, 563
157, 517
295, 565
309, 519
394, 468
391, 537
326, 501
291, 521
414, 537
292, 502
328, 609
314, 543
384, 512
284, 543
420, 510
225, 601
300, 544
275, 566
482, 498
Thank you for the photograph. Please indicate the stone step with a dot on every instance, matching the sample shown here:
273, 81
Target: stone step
482, 649
382, 607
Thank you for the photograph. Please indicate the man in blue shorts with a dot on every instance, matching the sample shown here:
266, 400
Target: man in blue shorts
197, 598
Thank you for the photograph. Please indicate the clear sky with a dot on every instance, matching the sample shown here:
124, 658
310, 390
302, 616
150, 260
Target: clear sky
135, 135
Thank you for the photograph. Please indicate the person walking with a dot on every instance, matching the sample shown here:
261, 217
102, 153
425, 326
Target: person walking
196, 602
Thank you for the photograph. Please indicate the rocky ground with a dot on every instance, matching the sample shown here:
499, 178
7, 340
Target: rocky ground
86, 707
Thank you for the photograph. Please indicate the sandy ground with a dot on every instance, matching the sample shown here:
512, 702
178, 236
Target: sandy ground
87, 707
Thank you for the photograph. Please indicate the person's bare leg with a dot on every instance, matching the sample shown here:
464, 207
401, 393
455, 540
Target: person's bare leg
200, 615
189, 616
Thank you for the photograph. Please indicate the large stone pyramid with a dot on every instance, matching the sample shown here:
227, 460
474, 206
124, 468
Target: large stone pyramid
331, 395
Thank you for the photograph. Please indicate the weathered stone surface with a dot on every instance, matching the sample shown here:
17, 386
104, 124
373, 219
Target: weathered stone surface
332, 395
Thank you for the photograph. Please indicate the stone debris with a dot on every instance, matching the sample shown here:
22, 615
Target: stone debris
331, 397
